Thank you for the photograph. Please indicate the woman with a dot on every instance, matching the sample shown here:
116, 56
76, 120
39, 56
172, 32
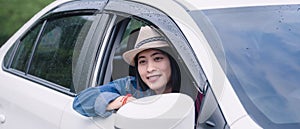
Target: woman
156, 73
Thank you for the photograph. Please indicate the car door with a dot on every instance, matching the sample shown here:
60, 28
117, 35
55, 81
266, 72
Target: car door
45, 67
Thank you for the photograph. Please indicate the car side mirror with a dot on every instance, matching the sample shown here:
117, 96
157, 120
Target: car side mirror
173, 110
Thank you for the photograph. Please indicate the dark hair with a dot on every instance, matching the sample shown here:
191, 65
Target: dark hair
175, 80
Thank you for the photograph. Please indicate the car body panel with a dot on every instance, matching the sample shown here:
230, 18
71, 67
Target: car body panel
73, 120
25, 101
217, 4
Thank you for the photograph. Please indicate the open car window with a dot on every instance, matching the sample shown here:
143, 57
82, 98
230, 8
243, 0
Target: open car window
125, 33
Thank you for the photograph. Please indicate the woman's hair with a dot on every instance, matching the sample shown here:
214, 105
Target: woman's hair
175, 79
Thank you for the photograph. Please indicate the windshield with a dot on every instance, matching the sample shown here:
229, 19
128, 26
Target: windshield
259, 49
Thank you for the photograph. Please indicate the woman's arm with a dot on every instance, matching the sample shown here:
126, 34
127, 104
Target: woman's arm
94, 101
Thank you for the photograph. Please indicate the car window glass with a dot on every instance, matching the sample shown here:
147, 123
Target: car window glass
260, 58
23, 53
54, 53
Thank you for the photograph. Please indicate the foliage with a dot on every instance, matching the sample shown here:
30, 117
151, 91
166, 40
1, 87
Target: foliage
15, 13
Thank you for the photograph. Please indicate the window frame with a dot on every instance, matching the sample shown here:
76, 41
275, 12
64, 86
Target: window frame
189, 64
170, 29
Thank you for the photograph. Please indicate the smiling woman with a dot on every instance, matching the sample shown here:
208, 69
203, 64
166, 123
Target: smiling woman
154, 75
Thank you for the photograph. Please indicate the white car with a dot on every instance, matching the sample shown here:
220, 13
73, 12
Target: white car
240, 57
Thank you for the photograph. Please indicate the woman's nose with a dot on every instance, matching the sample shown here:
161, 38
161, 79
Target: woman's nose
151, 66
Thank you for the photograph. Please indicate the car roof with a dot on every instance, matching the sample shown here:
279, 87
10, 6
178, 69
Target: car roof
214, 4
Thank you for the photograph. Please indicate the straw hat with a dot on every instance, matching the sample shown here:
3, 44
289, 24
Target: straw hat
147, 38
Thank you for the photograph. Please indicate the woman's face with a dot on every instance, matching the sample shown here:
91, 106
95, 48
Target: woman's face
155, 69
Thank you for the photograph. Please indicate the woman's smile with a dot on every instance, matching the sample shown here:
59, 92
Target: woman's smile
153, 78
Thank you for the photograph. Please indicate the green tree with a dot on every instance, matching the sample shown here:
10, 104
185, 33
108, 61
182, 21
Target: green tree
15, 13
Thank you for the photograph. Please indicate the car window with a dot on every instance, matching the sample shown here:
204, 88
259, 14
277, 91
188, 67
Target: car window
125, 39
55, 52
170, 29
49, 51
130, 18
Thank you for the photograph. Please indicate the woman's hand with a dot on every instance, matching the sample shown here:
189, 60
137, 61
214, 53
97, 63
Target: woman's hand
119, 102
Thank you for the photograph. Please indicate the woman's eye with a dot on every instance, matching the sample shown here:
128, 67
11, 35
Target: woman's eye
142, 62
158, 58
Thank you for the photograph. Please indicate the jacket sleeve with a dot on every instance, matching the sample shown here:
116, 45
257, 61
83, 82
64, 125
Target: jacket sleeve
93, 101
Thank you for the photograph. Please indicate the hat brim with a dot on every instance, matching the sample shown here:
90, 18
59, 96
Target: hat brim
130, 55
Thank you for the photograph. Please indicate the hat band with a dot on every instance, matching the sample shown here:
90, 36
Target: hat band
160, 38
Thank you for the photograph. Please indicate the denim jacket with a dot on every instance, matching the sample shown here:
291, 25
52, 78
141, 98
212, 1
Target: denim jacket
94, 100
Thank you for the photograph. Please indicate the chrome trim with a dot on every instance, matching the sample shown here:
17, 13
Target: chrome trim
102, 50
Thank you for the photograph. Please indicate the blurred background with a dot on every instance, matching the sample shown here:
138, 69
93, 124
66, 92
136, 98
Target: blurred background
15, 13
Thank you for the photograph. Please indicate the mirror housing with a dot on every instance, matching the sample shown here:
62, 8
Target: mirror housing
164, 111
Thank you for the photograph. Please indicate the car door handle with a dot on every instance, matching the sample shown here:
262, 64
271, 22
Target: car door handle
2, 118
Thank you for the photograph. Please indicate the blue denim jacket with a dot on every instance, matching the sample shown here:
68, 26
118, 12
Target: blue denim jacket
94, 100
